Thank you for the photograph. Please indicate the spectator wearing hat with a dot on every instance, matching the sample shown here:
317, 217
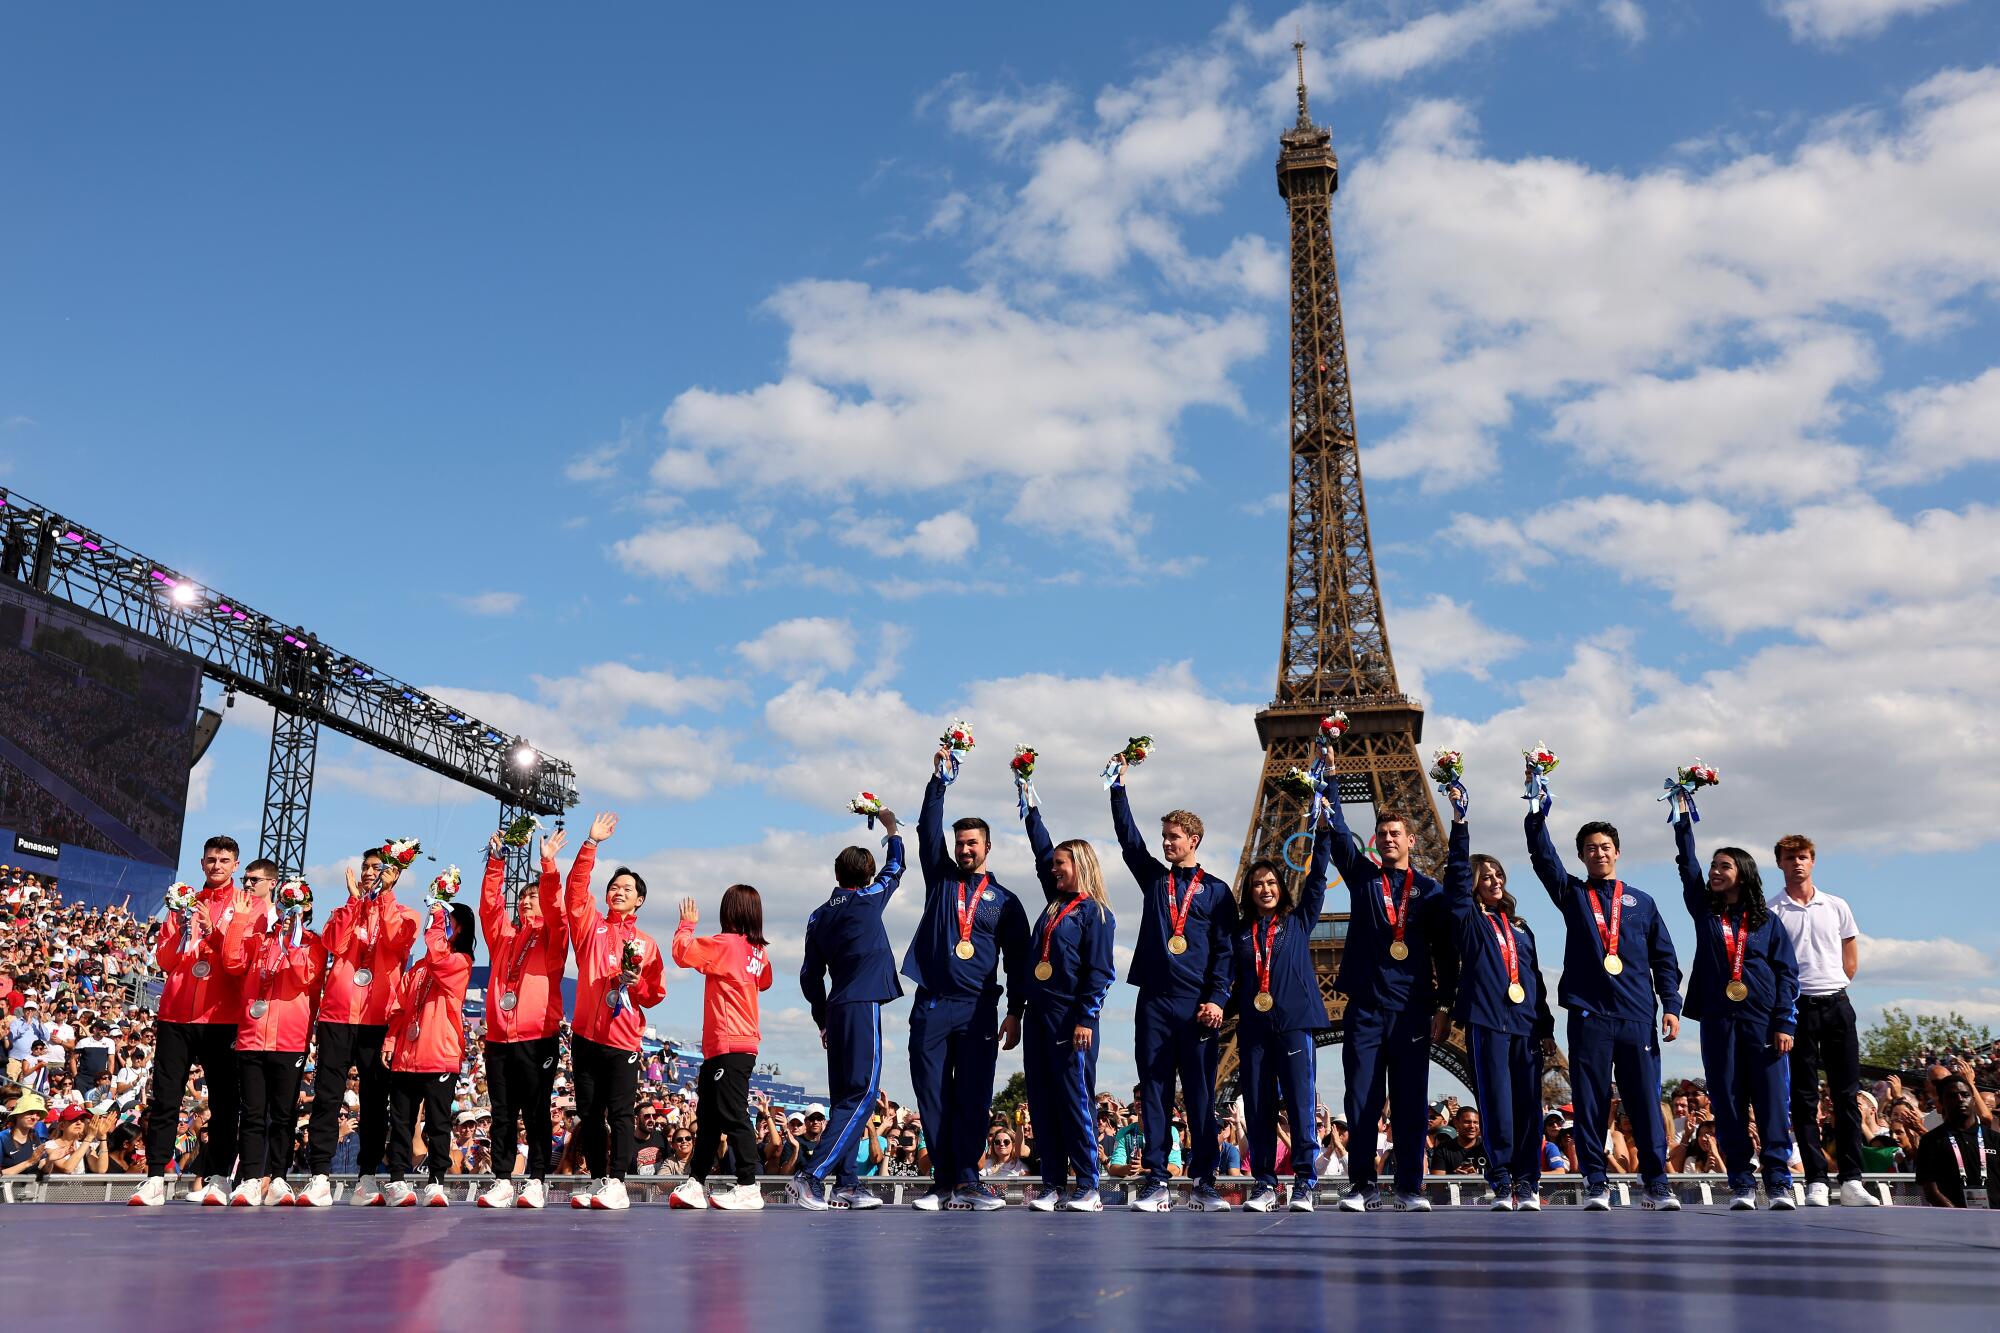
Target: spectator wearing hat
22, 1151
75, 1147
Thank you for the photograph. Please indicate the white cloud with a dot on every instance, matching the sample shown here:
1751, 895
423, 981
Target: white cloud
1829, 21
1483, 283
1431, 39
699, 553
948, 537
598, 463
894, 390
802, 648
1003, 119
1920, 960
1627, 17
1444, 635
949, 213
490, 603
1943, 427
614, 687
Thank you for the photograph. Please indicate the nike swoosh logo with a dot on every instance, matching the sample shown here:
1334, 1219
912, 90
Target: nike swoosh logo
1300, 1051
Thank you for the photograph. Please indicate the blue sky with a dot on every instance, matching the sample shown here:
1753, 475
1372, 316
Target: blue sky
727, 400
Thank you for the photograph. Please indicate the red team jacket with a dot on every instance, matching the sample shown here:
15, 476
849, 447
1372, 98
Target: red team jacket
361, 934
736, 970
286, 979
199, 989
432, 998
600, 942
527, 960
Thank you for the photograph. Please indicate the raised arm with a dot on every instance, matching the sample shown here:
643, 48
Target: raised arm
493, 922
1312, 893
1139, 859
1349, 859
578, 909
933, 853
700, 952
1458, 894
1542, 854
891, 873
1694, 883
1045, 851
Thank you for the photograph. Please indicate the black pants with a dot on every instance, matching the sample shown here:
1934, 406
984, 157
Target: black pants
176, 1046
269, 1081
341, 1047
519, 1078
722, 1108
1825, 1042
607, 1103
432, 1093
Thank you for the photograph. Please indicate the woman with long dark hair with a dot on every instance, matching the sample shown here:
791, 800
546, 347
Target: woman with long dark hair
1505, 1011
1744, 992
1277, 1002
737, 968
424, 1048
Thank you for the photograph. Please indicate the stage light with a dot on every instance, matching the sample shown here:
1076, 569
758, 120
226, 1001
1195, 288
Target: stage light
184, 594
523, 755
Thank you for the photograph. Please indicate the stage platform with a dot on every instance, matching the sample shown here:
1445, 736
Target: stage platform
91, 1266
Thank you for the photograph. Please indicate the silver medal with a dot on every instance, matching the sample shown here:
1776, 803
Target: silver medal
201, 969
258, 1008
508, 1001
362, 976
611, 999
414, 1030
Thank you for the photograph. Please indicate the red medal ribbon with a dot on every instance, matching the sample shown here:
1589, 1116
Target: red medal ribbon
1609, 940
521, 958
968, 911
1177, 912
423, 998
1503, 932
1398, 911
1262, 957
1049, 930
1736, 942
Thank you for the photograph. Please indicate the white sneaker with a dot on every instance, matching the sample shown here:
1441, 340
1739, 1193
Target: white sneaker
691, 1194
217, 1193
1413, 1203
611, 1198
197, 1193
278, 1194
1302, 1200
930, 1201
500, 1194
737, 1199
318, 1193
1816, 1195
1262, 1200
1745, 1202
1047, 1201
581, 1198
1498, 1203
248, 1195
1528, 1203
367, 1193
398, 1194
435, 1197
1854, 1194
1782, 1202
534, 1194
151, 1194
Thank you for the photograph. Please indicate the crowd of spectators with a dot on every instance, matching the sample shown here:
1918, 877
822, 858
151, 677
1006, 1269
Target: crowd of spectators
27, 807
79, 1056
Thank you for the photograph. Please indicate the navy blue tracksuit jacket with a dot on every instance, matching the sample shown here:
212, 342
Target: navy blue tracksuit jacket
1062, 1080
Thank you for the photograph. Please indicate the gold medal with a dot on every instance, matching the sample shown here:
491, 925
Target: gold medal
1517, 993
1613, 964
1263, 1002
1177, 944
964, 949
1044, 970
1398, 950
1736, 990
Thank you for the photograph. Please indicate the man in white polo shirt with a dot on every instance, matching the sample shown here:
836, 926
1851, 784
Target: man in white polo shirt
1826, 941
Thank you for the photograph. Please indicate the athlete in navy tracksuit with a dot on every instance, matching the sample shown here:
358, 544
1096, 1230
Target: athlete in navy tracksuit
1279, 1012
955, 1033
1611, 1001
845, 939
1073, 938
1745, 1044
1395, 1006
1180, 999
1506, 1034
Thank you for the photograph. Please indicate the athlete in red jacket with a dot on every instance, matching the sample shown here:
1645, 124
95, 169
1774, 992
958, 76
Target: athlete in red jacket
197, 1025
618, 973
737, 968
524, 1014
367, 939
280, 980
424, 1050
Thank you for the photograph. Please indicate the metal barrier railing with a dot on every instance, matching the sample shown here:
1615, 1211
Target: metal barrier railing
1444, 1191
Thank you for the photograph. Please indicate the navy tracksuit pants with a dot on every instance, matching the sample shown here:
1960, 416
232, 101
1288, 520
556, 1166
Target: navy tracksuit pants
1387, 1050
1280, 1064
853, 1075
1169, 1044
1507, 1080
1600, 1048
1746, 1072
954, 1045
1062, 1085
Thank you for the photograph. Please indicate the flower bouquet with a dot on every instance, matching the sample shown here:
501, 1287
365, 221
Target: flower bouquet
1447, 768
1332, 727
295, 900
181, 898
517, 833
1540, 762
1680, 789
1023, 766
866, 803
957, 739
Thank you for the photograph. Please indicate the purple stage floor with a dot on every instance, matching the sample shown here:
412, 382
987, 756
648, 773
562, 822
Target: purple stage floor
91, 1266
